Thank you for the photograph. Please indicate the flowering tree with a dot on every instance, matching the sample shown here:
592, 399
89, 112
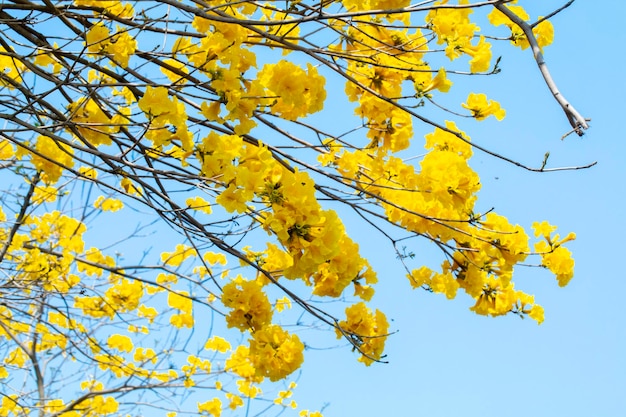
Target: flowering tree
204, 115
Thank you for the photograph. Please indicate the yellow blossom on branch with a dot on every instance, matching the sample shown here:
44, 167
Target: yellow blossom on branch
482, 108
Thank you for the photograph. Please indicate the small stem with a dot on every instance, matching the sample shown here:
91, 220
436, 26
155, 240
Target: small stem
21, 216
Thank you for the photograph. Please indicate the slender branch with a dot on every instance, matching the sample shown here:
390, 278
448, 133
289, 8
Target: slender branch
554, 13
21, 215
578, 122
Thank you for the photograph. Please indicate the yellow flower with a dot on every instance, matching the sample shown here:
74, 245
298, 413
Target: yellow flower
442, 140
275, 353
120, 342
198, 203
115, 7
180, 254
121, 47
125, 295
367, 331
143, 355
218, 344
497, 18
108, 204
307, 413
45, 58
130, 187
544, 33
419, 277
440, 82
46, 194
250, 308
235, 401
234, 198
481, 55
180, 301
482, 108
155, 101
213, 258
92, 123
173, 76
282, 303
55, 157
212, 407
97, 38
12, 68
148, 312
561, 263
297, 93
88, 172
543, 229
7, 151
239, 363
536, 313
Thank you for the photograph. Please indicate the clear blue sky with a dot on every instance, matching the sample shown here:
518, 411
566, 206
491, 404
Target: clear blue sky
444, 360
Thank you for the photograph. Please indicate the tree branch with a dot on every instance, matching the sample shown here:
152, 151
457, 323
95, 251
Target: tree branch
578, 122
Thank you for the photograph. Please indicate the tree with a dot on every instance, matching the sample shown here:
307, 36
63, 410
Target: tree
208, 117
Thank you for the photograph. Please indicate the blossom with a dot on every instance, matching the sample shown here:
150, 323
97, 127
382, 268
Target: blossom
250, 307
275, 353
12, 68
367, 330
481, 55
297, 93
108, 204
55, 157
482, 108
120, 342
217, 343
212, 407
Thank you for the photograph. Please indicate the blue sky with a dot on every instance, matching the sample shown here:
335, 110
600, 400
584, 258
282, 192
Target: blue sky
446, 361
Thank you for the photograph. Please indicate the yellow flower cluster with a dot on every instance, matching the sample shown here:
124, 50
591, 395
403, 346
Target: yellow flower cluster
223, 57
212, 407
115, 7
387, 57
12, 68
275, 353
62, 235
123, 295
438, 201
93, 406
250, 307
108, 204
51, 158
379, 5
454, 29
555, 257
91, 122
367, 331
294, 93
482, 108
162, 112
543, 32
7, 150
317, 248
119, 46
180, 301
